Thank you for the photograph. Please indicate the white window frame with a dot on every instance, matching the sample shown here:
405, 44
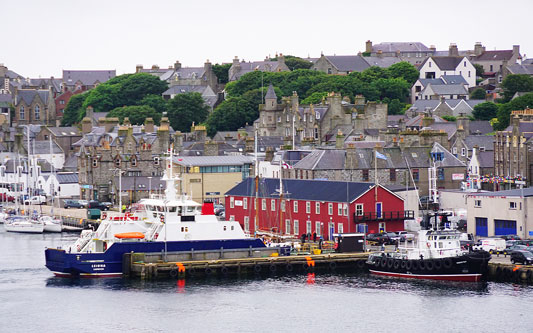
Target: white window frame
231, 202
295, 206
283, 206
340, 227
330, 208
247, 224
296, 227
308, 227
317, 228
477, 203
287, 227
263, 204
273, 205
245, 203
463, 151
317, 207
339, 209
345, 208
308, 207
359, 210
512, 205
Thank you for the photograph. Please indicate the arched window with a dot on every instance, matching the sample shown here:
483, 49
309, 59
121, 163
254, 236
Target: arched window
21, 112
37, 112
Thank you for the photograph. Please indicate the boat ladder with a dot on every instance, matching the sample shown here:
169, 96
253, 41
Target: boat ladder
149, 235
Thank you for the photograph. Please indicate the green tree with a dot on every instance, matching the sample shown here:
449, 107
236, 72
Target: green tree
478, 93
184, 109
155, 101
504, 110
516, 83
221, 71
479, 70
315, 98
136, 114
405, 71
231, 114
485, 111
124, 90
297, 63
392, 88
73, 110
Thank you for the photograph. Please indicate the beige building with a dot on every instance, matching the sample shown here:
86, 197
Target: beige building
210, 177
500, 213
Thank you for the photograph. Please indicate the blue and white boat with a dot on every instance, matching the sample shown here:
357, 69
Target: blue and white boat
171, 223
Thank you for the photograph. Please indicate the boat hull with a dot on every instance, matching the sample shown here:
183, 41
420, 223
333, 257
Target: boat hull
109, 263
24, 228
469, 267
52, 227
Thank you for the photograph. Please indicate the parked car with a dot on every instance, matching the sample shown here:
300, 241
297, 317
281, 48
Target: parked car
4, 197
218, 209
84, 203
72, 204
108, 204
97, 204
23, 197
515, 247
381, 238
406, 235
510, 237
521, 256
491, 245
35, 200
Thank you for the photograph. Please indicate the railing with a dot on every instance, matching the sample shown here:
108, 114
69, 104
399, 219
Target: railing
384, 216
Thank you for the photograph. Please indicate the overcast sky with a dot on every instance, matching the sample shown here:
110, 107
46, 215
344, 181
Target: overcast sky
41, 38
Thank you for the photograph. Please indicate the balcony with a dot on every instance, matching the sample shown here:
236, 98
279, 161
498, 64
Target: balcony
384, 216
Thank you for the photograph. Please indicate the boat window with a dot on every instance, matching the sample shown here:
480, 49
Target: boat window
232, 227
190, 209
149, 207
440, 245
172, 209
182, 228
179, 210
160, 208
186, 229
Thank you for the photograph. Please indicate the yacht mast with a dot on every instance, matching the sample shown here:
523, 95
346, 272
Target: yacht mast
256, 218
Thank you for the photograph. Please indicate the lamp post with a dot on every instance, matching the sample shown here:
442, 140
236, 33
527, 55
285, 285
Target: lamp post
149, 186
119, 187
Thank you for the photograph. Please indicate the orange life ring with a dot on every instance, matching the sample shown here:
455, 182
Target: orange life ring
104, 216
428, 244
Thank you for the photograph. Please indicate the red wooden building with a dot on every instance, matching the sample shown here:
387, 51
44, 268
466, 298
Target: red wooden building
315, 206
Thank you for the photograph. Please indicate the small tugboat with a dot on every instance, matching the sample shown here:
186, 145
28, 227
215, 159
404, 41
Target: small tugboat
169, 223
435, 254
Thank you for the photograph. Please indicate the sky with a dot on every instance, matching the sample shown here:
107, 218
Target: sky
41, 38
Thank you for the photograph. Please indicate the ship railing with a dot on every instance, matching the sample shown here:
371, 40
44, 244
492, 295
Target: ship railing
152, 231
81, 242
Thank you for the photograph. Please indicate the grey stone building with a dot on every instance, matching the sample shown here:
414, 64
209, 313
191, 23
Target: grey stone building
239, 68
315, 124
135, 151
32, 106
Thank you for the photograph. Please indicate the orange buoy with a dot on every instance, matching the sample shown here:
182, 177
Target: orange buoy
130, 235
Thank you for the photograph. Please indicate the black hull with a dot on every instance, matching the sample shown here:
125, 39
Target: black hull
468, 267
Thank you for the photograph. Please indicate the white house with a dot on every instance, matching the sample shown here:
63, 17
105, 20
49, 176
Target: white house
446, 91
435, 67
65, 185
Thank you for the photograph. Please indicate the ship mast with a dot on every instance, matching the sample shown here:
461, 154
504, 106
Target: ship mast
256, 219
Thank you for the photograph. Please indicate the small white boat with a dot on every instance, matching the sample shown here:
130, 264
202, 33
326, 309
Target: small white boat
51, 224
24, 224
3, 217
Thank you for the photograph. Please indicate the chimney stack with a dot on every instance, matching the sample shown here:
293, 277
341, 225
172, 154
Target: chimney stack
453, 51
368, 46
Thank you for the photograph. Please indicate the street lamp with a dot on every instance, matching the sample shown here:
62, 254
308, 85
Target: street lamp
149, 186
119, 187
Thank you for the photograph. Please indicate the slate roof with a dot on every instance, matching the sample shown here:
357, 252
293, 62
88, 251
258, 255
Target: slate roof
46, 83
449, 160
67, 178
445, 63
520, 69
271, 94
486, 159
482, 141
382, 62
198, 149
528, 61
497, 55
400, 46
449, 89
247, 67
212, 160
184, 73
70, 77
65, 131
71, 163
182, 89
322, 160
42, 147
264, 142
28, 95
5, 100
453, 79
480, 126
300, 189
422, 104
140, 183
393, 120
350, 63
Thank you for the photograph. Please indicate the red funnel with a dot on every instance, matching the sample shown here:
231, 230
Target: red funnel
208, 208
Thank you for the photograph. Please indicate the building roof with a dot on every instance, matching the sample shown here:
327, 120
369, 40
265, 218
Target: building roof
42, 147
322, 160
64, 131
448, 89
445, 63
300, 189
349, 63
482, 141
140, 183
70, 77
521, 69
393, 47
453, 79
480, 127
497, 55
526, 192
67, 178
382, 62
486, 159
212, 160
271, 94
28, 95
198, 149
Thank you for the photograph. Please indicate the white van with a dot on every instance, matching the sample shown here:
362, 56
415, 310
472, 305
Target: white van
491, 244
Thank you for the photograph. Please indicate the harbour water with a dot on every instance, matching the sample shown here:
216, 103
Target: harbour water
32, 300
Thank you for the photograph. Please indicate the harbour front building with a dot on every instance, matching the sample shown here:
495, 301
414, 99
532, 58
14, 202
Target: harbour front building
313, 206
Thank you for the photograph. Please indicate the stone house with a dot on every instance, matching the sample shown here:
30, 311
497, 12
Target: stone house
494, 62
311, 123
239, 68
340, 64
412, 52
135, 151
85, 80
65, 137
34, 107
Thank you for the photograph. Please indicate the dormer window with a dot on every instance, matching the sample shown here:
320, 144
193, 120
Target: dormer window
317, 115
37, 112
21, 112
